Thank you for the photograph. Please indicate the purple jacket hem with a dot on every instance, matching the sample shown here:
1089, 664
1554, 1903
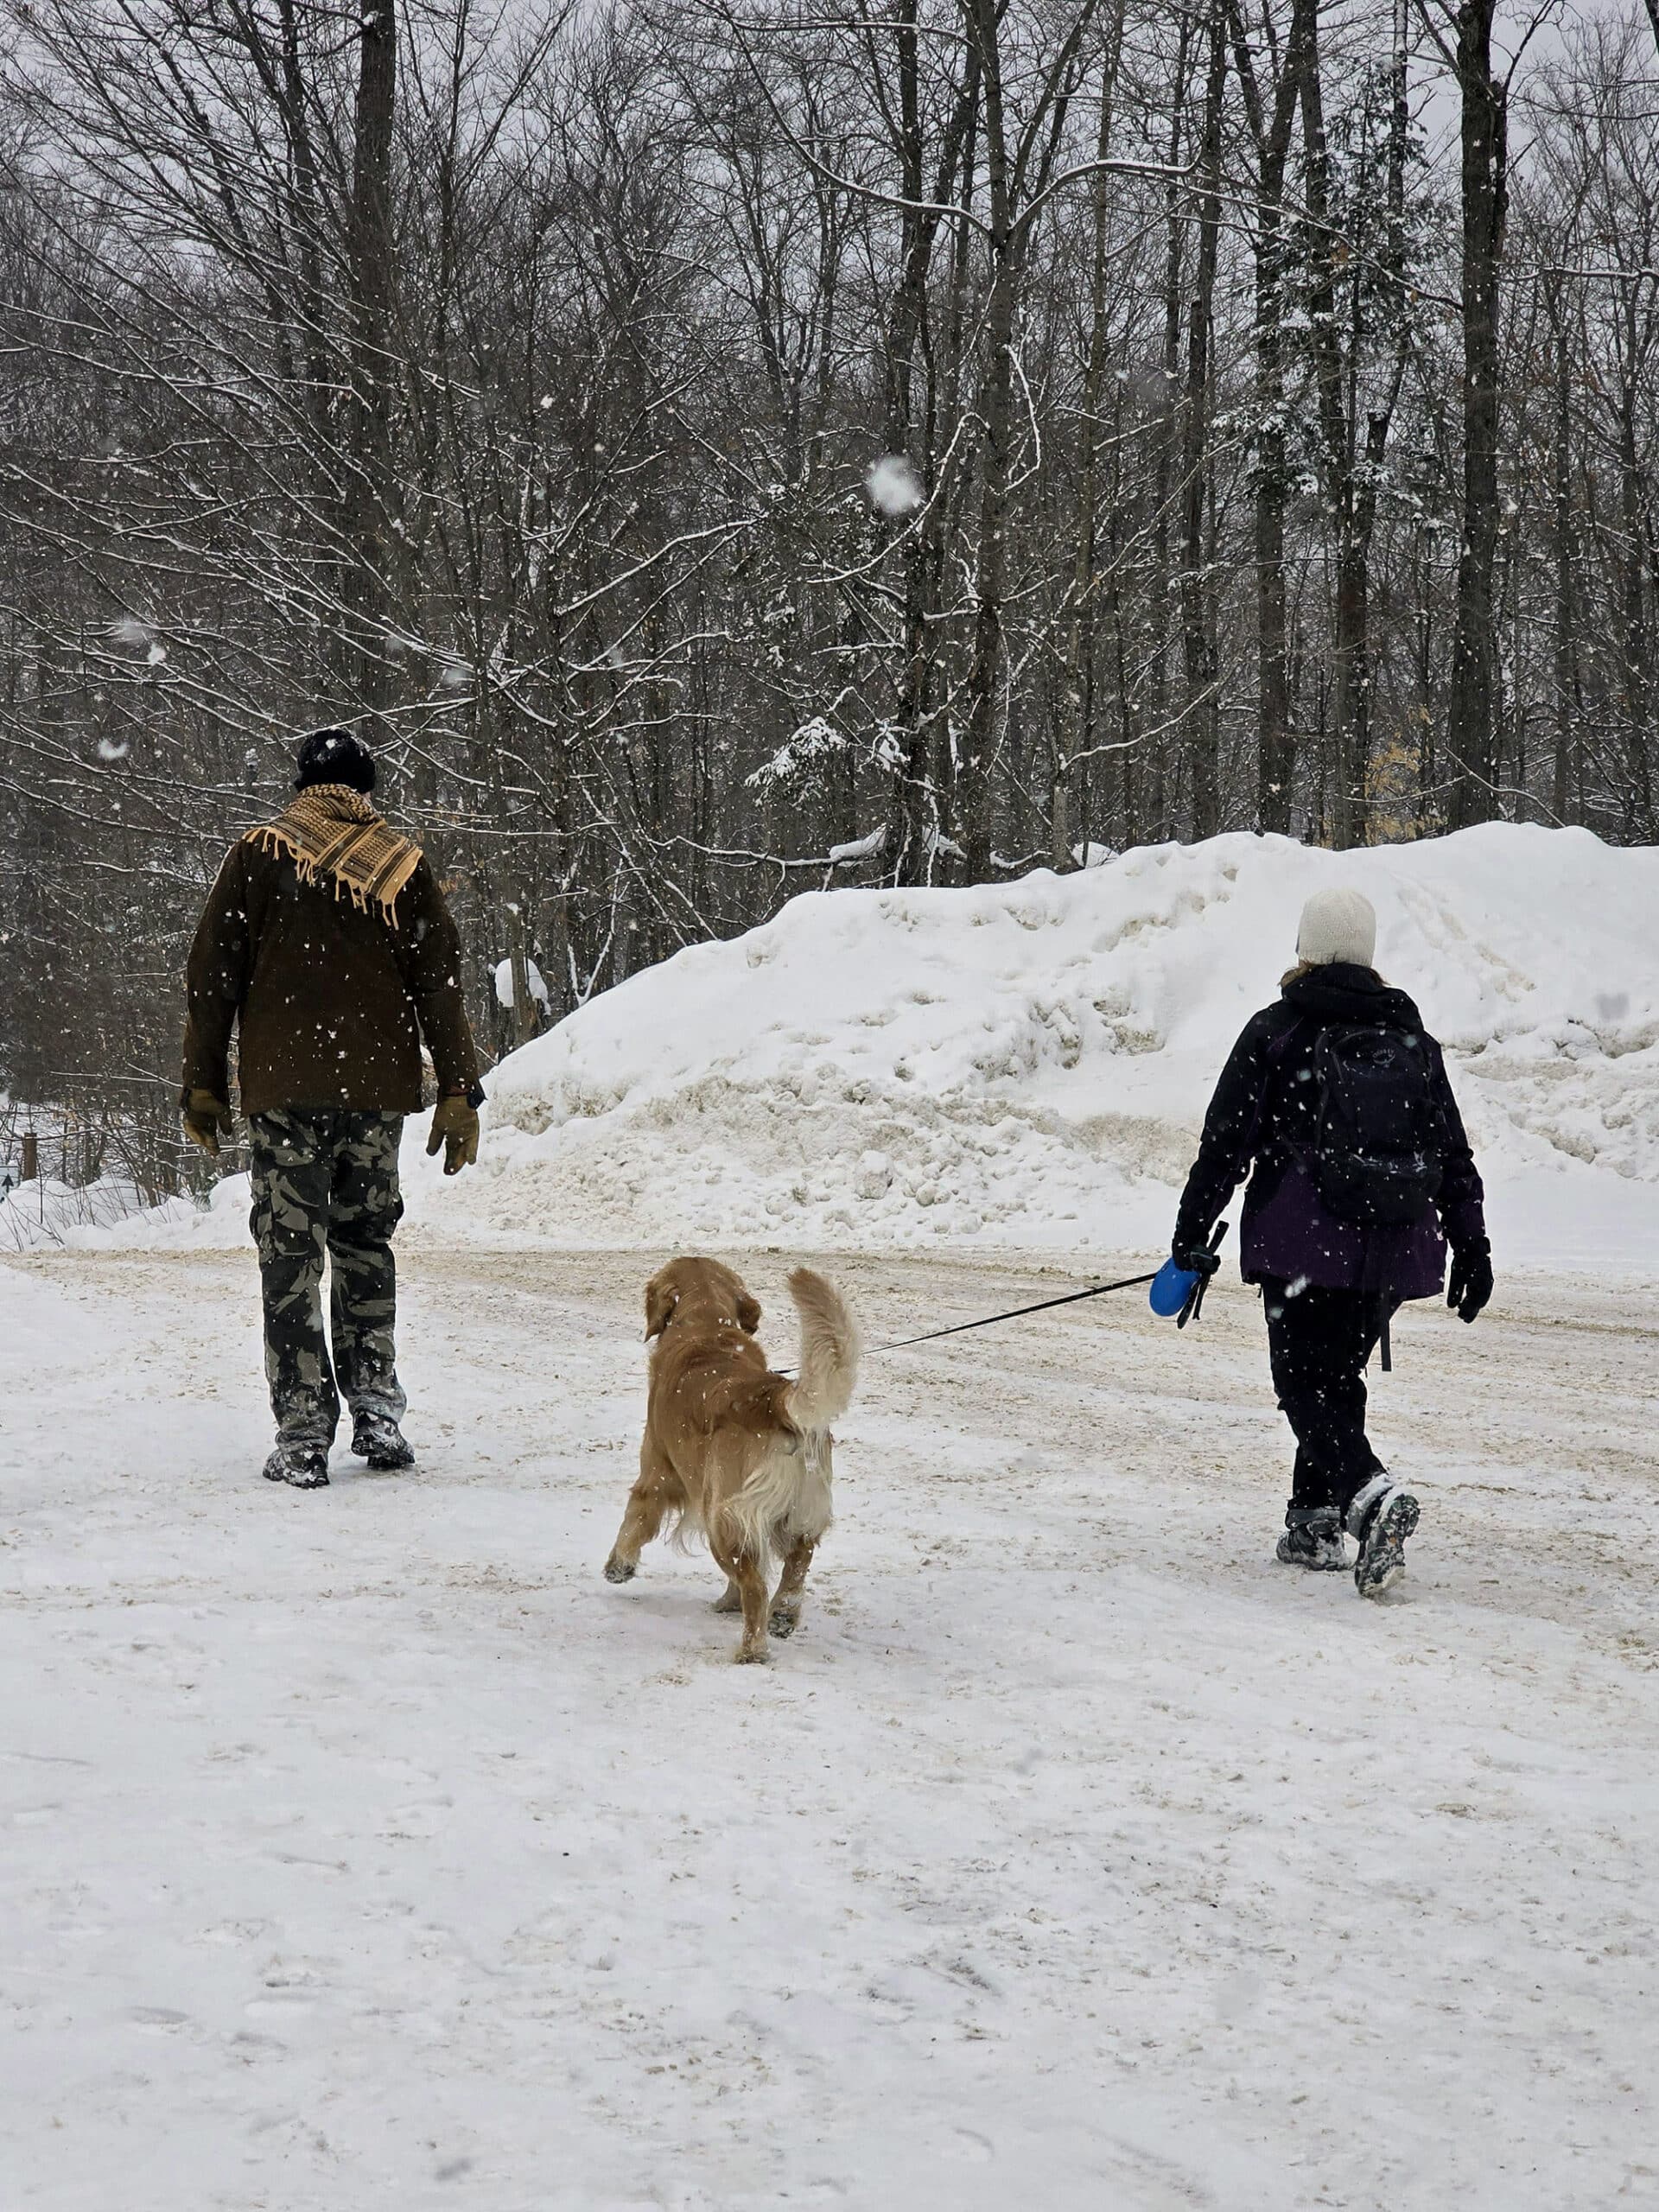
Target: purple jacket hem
1292, 1236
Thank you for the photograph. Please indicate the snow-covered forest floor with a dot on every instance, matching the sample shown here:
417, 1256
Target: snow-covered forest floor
366, 1850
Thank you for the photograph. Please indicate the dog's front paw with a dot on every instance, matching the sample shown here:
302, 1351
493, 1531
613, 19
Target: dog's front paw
619, 1570
784, 1624
751, 1655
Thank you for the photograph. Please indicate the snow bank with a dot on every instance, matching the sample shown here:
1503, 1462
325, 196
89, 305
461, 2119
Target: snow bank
42, 1212
1028, 1065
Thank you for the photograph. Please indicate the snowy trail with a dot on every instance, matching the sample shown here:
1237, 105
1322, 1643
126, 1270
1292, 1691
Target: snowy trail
366, 1850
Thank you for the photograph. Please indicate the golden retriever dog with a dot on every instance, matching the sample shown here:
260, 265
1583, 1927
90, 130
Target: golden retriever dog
731, 1448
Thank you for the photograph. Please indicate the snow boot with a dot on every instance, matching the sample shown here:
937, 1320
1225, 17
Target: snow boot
1381, 1517
1313, 1538
377, 1438
303, 1467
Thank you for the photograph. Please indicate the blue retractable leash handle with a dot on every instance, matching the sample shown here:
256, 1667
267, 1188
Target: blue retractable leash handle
1177, 1293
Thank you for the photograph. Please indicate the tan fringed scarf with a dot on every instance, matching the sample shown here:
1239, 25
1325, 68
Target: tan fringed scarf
331, 830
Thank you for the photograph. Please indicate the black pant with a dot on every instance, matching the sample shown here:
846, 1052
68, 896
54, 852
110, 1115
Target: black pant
1318, 1342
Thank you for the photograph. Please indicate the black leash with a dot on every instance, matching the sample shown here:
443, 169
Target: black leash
1043, 1305
1189, 1313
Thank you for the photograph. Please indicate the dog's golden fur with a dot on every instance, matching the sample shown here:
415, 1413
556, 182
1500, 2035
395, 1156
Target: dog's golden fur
731, 1448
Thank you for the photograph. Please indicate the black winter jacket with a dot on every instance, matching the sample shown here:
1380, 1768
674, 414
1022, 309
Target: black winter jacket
1265, 1113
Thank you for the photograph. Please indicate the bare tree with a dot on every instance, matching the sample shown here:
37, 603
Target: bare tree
726, 450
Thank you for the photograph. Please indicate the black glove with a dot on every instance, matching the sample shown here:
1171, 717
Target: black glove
1196, 1260
1471, 1287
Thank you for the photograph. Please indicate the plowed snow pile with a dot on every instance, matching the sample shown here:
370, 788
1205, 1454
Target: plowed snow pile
1028, 1065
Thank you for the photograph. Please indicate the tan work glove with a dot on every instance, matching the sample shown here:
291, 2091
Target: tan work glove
205, 1117
455, 1126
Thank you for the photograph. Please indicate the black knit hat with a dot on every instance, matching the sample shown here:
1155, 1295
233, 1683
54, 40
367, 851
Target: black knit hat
334, 756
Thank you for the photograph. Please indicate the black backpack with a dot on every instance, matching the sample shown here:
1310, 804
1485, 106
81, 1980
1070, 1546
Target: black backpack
1377, 1153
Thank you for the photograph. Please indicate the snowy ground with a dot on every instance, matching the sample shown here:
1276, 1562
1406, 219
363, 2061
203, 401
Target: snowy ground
366, 1850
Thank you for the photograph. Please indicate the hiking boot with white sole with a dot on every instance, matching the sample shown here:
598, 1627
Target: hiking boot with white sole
1381, 1517
1313, 1539
302, 1466
377, 1438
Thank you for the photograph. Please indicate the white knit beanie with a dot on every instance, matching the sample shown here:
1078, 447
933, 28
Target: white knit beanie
1337, 926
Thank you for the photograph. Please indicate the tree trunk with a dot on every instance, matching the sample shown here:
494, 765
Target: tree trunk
1275, 739
981, 732
914, 809
1168, 451
907, 823
1126, 820
1084, 585
305, 217
1470, 725
1337, 471
367, 501
1634, 583
1203, 714
1564, 645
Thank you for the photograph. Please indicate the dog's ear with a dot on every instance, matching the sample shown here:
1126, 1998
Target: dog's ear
660, 1301
748, 1312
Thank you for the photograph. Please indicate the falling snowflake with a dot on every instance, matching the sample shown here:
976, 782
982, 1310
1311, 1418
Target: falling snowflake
894, 486
112, 748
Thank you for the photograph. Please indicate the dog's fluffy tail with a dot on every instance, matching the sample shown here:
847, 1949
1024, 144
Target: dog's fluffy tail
788, 1494
830, 1346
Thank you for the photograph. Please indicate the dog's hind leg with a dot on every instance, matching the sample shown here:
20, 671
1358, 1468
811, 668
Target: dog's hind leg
649, 1502
748, 1575
792, 1587
731, 1599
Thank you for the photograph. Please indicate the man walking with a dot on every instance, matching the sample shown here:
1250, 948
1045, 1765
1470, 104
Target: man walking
326, 944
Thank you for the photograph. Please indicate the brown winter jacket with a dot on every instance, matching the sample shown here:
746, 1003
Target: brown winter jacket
333, 1003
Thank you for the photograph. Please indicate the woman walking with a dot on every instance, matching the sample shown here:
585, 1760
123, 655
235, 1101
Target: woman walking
1337, 1097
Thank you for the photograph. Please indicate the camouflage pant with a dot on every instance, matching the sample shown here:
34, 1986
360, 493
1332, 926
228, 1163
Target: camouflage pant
325, 1184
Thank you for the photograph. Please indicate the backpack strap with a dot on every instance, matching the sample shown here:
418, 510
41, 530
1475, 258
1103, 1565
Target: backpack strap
1276, 1051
